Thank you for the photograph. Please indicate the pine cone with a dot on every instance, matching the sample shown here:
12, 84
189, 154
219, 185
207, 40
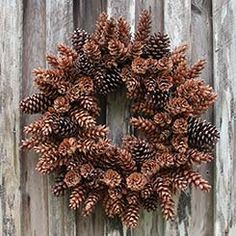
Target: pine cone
77, 196
202, 134
59, 187
72, 178
38, 102
79, 38
150, 203
143, 124
111, 178
157, 46
136, 181
90, 203
131, 215
68, 146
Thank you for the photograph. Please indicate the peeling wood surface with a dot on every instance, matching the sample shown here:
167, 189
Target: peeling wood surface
11, 28
224, 39
32, 27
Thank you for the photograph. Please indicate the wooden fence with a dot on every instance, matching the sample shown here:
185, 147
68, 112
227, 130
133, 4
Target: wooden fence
29, 28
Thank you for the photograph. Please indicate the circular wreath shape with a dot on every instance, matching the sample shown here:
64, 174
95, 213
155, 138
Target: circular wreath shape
167, 98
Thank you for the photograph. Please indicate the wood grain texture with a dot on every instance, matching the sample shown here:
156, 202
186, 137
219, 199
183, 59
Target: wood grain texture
34, 185
59, 25
201, 48
177, 22
224, 26
11, 44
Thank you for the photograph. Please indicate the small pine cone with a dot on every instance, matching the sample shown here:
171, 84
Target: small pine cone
165, 159
165, 83
125, 160
123, 29
133, 87
157, 46
157, 99
162, 119
144, 27
178, 106
111, 178
79, 38
131, 215
91, 104
147, 191
117, 192
196, 69
92, 50
38, 102
61, 104
150, 84
68, 146
202, 134
136, 49
114, 207
59, 187
90, 203
83, 118
139, 66
143, 107
82, 65
72, 178
180, 143
99, 131
64, 127
107, 81
180, 126
136, 181
86, 170
195, 178
198, 94
179, 54
196, 157
165, 65
179, 181
150, 203
77, 196
150, 167
117, 49
145, 125
163, 189
141, 150
100, 26
181, 159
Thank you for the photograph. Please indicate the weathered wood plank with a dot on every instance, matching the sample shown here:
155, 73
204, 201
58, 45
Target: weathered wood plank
59, 25
34, 186
177, 20
11, 42
224, 49
151, 223
201, 47
85, 16
117, 103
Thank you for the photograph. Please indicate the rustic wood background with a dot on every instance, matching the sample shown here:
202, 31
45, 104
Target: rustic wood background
29, 28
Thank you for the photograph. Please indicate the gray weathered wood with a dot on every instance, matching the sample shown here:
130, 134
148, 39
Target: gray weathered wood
177, 20
34, 185
11, 42
59, 25
201, 47
224, 26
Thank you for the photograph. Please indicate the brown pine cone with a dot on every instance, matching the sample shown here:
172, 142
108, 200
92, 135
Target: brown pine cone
90, 203
86, 170
131, 215
143, 124
92, 50
196, 69
150, 167
72, 178
162, 119
125, 160
139, 66
180, 143
68, 146
165, 83
150, 203
77, 196
111, 178
178, 106
180, 126
136, 181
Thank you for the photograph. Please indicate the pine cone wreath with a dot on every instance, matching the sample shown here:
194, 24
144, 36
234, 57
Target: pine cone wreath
167, 99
